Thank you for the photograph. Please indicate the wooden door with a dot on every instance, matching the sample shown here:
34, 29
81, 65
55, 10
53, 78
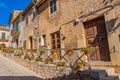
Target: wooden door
96, 37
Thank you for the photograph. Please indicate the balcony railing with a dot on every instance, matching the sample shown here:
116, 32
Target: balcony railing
4, 40
13, 31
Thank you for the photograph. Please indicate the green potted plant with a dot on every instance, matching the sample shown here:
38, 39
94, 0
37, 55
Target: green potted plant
48, 60
41, 52
53, 51
62, 63
19, 54
77, 65
54, 54
27, 57
86, 50
69, 52
38, 59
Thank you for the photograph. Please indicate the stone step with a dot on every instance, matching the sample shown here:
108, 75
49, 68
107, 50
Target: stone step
101, 63
97, 74
109, 70
109, 78
117, 75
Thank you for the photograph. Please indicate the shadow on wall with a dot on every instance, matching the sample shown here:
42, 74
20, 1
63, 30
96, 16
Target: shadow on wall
112, 26
87, 75
19, 78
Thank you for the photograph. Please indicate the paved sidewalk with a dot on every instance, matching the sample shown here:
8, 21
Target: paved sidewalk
10, 70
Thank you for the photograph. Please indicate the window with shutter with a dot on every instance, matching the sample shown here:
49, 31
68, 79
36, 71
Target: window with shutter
3, 35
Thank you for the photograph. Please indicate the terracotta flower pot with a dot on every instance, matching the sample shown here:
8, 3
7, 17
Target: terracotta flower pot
87, 53
69, 52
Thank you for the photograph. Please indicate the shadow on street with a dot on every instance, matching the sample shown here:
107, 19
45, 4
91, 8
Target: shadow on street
19, 78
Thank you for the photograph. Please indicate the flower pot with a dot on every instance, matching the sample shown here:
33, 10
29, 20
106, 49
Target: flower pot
69, 52
87, 53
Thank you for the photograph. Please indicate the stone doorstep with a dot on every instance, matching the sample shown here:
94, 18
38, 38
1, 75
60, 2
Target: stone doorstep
101, 75
97, 74
111, 75
101, 63
116, 75
110, 78
109, 71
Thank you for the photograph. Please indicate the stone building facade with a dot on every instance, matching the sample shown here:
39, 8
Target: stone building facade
4, 35
16, 31
30, 24
24, 25
68, 24
78, 23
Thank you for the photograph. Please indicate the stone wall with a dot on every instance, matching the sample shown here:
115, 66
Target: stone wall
45, 71
63, 20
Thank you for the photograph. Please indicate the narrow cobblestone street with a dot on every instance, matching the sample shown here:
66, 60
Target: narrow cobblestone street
10, 70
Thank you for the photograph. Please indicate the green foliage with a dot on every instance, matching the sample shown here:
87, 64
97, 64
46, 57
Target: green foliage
53, 51
61, 63
77, 65
48, 60
27, 57
86, 49
34, 50
19, 54
38, 59
1, 47
41, 51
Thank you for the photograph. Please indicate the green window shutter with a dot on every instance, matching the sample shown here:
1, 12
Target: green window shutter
3, 35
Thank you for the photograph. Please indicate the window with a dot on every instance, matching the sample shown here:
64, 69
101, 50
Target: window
43, 40
3, 35
119, 37
17, 26
26, 20
53, 6
55, 40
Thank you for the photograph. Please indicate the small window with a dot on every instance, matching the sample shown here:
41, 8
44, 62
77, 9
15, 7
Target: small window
26, 20
53, 6
39, 40
119, 37
43, 40
3, 35
17, 26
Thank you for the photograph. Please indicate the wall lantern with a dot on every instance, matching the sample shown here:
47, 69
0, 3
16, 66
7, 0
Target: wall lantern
76, 21
110, 29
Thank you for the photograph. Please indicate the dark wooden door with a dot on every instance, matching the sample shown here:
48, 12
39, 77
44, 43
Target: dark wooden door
96, 37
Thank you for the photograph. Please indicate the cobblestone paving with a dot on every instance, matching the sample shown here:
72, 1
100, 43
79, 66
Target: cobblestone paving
10, 70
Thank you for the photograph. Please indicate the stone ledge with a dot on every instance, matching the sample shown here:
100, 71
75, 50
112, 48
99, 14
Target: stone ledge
44, 70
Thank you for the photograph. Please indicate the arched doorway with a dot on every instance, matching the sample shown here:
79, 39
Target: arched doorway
3, 45
24, 44
31, 42
16, 43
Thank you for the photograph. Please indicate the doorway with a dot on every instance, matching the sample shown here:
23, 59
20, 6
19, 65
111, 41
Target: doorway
31, 42
96, 37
